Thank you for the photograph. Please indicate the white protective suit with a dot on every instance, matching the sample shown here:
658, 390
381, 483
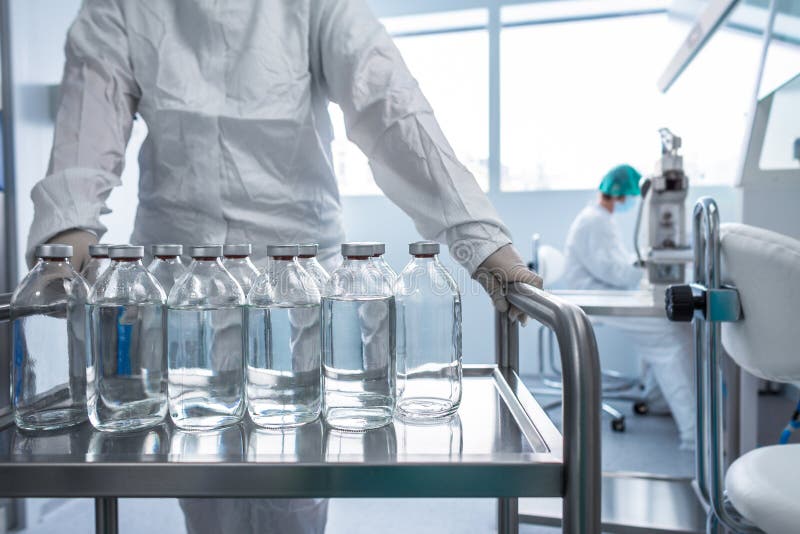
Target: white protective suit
235, 98
596, 259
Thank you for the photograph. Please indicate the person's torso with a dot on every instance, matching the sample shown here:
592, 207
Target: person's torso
238, 147
581, 246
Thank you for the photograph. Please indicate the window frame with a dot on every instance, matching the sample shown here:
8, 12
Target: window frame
494, 26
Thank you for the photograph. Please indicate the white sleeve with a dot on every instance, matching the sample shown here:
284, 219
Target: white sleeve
99, 97
388, 117
602, 254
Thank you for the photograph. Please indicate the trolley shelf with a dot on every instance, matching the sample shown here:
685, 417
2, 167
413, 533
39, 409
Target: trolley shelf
499, 443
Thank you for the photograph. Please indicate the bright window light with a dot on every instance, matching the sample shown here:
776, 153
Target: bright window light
452, 71
580, 97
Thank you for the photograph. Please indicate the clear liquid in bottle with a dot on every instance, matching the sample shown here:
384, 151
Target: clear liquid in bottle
206, 378
359, 361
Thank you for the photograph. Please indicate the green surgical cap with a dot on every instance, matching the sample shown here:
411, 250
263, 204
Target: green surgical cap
622, 180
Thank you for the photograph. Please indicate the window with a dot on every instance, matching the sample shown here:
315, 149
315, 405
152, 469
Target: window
577, 89
450, 60
580, 97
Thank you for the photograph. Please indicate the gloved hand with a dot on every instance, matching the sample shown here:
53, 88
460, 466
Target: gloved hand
502, 267
80, 241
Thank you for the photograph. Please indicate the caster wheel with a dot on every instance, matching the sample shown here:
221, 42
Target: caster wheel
618, 425
641, 408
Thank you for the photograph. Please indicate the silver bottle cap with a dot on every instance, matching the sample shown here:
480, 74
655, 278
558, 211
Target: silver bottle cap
282, 250
366, 249
166, 250
244, 249
307, 250
125, 251
206, 251
98, 251
423, 248
53, 250
379, 249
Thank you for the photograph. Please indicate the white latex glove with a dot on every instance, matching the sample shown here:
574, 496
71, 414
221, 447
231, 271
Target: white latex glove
80, 241
502, 267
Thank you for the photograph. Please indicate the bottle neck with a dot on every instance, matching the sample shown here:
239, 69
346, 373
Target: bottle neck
169, 259
126, 261
203, 264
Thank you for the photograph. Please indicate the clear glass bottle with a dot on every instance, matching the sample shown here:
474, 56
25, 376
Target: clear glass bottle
98, 263
284, 358
307, 258
127, 369
205, 318
236, 258
358, 340
48, 369
379, 249
166, 265
428, 336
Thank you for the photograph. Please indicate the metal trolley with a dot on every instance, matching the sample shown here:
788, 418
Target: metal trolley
500, 444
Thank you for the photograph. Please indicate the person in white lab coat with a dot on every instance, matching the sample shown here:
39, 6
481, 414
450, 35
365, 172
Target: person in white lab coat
235, 98
597, 259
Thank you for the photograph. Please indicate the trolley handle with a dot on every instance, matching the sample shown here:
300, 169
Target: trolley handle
5, 307
581, 410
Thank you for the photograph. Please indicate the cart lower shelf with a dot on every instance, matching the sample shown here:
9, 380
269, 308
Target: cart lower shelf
499, 444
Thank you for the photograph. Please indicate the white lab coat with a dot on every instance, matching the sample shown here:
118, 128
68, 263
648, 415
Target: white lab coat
596, 259
235, 97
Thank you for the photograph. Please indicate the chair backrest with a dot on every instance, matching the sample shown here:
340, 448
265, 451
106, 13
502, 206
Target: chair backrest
552, 264
765, 268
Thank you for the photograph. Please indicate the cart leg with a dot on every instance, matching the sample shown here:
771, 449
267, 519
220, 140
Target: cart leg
508, 515
105, 515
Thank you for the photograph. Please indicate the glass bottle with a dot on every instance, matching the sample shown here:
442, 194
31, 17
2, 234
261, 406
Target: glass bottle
379, 249
48, 370
428, 336
127, 371
307, 258
284, 358
98, 263
358, 330
205, 317
236, 258
166, 265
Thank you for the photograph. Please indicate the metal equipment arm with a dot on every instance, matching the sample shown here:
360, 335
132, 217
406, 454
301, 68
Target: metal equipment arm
581, 420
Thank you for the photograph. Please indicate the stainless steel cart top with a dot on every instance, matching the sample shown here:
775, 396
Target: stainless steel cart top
500, 444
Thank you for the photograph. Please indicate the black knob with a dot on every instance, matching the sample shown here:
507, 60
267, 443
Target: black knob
680, 303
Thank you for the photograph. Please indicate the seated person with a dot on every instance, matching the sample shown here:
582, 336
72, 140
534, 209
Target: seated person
596, 259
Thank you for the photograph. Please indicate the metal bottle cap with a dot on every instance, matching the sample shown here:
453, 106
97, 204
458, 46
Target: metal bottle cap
307, 250
125, 251
282, 250
98, 251
206, 251
358, 249
379, 249
53, 250
243, 249
166, 250
423, 248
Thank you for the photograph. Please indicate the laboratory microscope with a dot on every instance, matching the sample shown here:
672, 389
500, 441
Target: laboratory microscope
663, 210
